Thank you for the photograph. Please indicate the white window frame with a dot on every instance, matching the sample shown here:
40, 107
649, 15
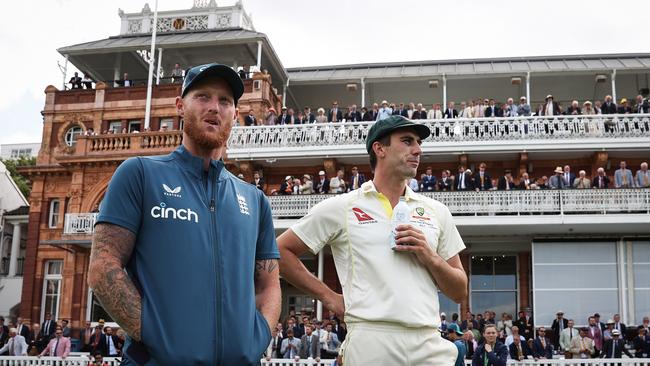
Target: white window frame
89, 305
133, 123
515, 290
71, 135
54, 215
51, 277
169, 122
115, 126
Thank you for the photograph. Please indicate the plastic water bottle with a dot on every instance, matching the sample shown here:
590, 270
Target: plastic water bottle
401, 214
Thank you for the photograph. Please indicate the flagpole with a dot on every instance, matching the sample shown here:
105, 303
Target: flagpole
147, 112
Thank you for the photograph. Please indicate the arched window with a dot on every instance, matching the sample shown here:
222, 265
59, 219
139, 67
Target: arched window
72, 134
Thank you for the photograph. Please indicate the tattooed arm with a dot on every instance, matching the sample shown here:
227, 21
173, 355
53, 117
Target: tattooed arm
268, 297
111, 249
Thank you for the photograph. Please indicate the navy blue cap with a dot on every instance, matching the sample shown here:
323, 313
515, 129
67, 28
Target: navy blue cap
386, 126
198, 73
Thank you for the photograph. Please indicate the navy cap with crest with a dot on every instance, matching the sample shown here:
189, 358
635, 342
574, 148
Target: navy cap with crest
386, 126
198, 73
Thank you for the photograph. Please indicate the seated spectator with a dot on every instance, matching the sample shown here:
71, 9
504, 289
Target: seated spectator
515, 335
506, 182
519, 349
642, 177
582, 182
271, 117
75, 81
177, 73
601, 181
642, 105
588, 109
307, 187
523, 109
337, 184
574, 109
624, 108
353, 114
321, 117
542, 347
385, 111
286, 188
87, 82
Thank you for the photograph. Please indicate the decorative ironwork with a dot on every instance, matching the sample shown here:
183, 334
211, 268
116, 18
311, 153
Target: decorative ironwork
197, 22
224, 20
79, 224
135, 26
201, 3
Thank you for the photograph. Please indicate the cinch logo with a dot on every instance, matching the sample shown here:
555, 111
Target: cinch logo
363, 217
176, 192
163, 212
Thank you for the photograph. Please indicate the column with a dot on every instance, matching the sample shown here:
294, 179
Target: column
444, 92
15, 251
284, 93
319, 304
259, 56
614, 85
117, 68
528, 89
158, 68
622, 278
363, 92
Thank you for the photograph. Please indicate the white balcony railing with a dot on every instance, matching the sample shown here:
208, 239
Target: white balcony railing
246, 141
79, 223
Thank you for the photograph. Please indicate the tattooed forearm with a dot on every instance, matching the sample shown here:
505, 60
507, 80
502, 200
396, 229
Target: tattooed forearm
267, 289
268, 265
111, 249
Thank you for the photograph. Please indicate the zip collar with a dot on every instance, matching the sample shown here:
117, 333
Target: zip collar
194, 164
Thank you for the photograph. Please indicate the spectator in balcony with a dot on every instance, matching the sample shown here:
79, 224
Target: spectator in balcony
296, 186
420, 112
479, 107
598, 107
607, 332
567, 335
645, 323
615, 347
356, 179
568, 176
435, 112
66, 329
16, 344
619, 325
321, 117
307, 186
385, 111
323, 184
641, 343
48, 327
286, 187
519, 350
463, 180
623, 176
451, 111
244, 72
177, 73
525, 182
428, 181
292, 116
492, 352
609, 107
542, 346
290, 346
557, 181
59, 346
283, 118
523, 109
470, 344
258, 182
309, 345
623, 107
588, 109
642, 105
410, 111
455, 335
601, 181
492, 110
308, 116
515, 335
582, 346
506, 182
482, 180
574, 109
331, 342
510, 108
399, 110
335, 114
75, 81
582, 182
249, 119
337, 184
23, 329
464, 111
595, 332
504, 326
353, 114
373, 114
445, 183
271, 117
365, 115
125, 81
551, 107
110, 345
87, 82
642, 178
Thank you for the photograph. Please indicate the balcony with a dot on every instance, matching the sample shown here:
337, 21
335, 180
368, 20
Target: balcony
79, 223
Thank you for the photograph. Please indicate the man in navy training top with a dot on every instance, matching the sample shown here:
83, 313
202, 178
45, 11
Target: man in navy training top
194, 240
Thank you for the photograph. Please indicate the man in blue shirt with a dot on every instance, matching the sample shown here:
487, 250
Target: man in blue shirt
456, 336
195, 241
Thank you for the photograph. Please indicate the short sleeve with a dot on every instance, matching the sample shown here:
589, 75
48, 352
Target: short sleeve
322, 224
122, 204
267, 247
449, 242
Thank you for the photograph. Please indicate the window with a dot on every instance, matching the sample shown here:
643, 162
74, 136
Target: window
641, 274
53, 221
493, 284
17, 153
72, 134
134, 126
169, 122
95, 309
447, 305
115, 127
52, 288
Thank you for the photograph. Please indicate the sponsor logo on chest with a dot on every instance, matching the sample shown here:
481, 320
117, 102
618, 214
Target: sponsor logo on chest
362, 217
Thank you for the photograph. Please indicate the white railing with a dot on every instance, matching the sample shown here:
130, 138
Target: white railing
79, 223
547, 202
53, 361
555, 128
294, 362
580, 362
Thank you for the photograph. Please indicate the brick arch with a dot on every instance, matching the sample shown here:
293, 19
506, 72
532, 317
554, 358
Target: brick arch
72, 121
96, 194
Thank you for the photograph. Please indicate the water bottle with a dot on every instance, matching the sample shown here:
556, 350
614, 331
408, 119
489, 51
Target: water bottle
401, 215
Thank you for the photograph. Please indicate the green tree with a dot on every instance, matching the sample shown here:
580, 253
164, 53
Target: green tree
22, 182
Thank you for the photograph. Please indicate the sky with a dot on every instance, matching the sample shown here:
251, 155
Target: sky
310, 33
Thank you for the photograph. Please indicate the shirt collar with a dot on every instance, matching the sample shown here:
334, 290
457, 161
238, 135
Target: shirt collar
369, 186
194, 164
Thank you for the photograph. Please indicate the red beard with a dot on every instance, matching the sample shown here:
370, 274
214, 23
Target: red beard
205, 139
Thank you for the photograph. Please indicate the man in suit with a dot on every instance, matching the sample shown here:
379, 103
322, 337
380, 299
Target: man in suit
641, 343
356, 179
551, 108
353, 114
623, 177
335, 114
428, 181
568, 176
642, 105
275, 346
595, 332
557, 181
567, 335
16, 345
309, 344
582, 346
482, 180
451, 111
615, 347
250, 119
445, 183
582, 182
618, 325
125, 81
463, 181
4, 332
519, 350
492, 110
66, 329
601, 181
401, 111
284, 118
642, 177
506, 182
59, 346
608, 107
557, 327
48, 327
85, 334
290, 345
525, 324
420, 112
109, 344
542, 347
23, 329
323, 184
373, 113
308, 115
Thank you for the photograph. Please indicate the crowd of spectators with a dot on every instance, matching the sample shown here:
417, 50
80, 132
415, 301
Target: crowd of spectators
465, 180
522, 340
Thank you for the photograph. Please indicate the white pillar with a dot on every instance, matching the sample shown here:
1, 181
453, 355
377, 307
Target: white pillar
116, 69
147, 108
15, 250
158, 68
528, 88
622, 274
363, 92
319, 305
284, 93
259, 56
444, 92
614, 85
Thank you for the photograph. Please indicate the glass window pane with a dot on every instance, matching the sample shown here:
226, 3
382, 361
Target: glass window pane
575, 276
583, 252
497, 301
54, 267
447, 305
482, 272
641, 252
97, 311
641, 275
641, 304
576, 305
